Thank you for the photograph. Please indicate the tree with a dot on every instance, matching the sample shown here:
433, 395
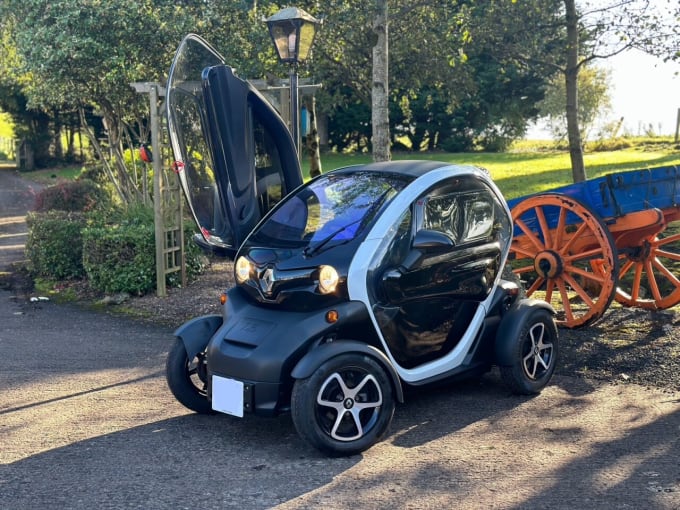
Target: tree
593, 87
82, 56
32, 126
449, 78
600, 29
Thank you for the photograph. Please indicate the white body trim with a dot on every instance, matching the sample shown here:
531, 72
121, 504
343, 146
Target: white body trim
358, 271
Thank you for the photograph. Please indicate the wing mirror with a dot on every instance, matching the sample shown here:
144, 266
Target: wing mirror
432, 240
426, 241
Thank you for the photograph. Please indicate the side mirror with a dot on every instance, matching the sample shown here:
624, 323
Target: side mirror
431, 240
426, 241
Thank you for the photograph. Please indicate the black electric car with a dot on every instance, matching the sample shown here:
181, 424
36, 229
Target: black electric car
350, 287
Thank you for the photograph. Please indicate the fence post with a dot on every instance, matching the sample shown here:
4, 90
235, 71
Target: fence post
167, 196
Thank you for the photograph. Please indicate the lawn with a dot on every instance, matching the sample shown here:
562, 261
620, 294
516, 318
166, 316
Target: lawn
6, 126
522, 173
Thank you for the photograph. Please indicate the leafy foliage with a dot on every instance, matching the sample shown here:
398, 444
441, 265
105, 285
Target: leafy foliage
113, 248
54, 247
594, 99
120, 258
76, 196
463, 74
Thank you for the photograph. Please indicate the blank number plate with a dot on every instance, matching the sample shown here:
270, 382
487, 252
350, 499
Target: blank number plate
227, 396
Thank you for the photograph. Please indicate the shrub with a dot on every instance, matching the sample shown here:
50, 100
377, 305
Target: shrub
119, 254
80, 195
54, 247
194, 258
121, 257
114, 248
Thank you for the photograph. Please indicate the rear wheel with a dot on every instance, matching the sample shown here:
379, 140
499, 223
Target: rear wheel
345, 406
534, 355
187, 378
649, 273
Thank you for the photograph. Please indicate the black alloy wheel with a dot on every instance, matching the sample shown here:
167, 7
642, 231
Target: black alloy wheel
345, 406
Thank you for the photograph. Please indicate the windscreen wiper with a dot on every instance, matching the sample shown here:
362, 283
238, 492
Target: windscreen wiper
309, 251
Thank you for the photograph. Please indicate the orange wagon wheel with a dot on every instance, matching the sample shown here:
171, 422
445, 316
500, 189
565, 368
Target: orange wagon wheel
564, 255
649, 274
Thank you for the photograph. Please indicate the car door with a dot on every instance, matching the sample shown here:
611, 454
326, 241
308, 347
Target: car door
442, 264
234, 156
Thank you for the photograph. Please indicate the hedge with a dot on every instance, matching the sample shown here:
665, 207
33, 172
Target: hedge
114, 250
54, 247
80, 195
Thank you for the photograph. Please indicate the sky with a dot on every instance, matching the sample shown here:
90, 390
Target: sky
645, 90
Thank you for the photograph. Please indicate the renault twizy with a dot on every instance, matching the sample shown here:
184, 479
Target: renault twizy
350, 287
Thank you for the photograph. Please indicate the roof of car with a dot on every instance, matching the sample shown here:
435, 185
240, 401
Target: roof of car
409, 168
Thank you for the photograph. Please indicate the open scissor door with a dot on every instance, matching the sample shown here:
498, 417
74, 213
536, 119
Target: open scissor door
233, 153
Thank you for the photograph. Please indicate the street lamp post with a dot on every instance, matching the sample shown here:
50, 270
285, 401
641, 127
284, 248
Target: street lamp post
292, 31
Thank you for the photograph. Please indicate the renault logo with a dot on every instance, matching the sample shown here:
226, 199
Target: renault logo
267, 280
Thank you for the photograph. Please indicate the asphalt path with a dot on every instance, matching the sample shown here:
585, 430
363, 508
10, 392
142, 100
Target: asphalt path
86, 421
16, 198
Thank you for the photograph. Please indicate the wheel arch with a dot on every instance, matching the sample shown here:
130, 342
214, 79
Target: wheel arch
196, 333
318, 355
511, 326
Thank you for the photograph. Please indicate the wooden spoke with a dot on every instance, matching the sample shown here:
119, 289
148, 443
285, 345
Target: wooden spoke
648, 272
565, 255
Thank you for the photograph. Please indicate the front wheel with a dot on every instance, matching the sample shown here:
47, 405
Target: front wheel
534, 355
187, 379
345, 406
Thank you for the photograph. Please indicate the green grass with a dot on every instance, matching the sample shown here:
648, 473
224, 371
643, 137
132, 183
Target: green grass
6, 126
523, 173
54, 175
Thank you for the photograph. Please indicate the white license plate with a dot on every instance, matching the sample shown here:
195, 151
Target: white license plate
227, 396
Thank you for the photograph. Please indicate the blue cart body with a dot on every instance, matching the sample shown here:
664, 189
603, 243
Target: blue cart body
615, 195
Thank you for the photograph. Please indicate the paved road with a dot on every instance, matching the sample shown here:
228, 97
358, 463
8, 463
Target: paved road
16, 198
86, 421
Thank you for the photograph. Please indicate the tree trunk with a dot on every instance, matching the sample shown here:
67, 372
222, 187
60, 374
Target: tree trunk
578, 170
94, 143
312, 138
379, 95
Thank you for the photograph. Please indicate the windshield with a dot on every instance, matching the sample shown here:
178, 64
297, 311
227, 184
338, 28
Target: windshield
334, 209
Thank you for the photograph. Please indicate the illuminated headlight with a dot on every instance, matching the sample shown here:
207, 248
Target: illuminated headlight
328, 279
242, 269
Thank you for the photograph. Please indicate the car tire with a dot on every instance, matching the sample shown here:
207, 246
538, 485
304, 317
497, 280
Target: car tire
534, 355
187, 379
345, 406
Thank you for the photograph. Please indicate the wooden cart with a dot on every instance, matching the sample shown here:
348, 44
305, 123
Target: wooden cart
615, 237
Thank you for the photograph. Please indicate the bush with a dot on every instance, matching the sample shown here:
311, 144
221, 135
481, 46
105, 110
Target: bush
194, 258
114, 248
54, 247
80, 195
121, 257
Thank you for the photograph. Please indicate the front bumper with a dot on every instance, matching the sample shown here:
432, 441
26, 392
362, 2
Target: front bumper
259, 347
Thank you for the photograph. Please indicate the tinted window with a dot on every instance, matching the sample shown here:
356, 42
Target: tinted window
268, 169
463, 216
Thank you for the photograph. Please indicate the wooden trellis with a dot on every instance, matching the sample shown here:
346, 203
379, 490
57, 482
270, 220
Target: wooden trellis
167, 196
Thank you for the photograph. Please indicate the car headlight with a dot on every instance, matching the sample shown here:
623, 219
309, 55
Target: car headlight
242, 269
328, 279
